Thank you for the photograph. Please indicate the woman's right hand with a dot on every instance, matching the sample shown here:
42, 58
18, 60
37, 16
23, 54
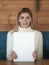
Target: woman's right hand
13, 55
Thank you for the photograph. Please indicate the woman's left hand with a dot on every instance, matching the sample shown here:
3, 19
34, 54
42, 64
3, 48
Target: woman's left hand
34, 55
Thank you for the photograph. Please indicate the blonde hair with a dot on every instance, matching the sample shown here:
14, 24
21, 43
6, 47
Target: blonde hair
23, 10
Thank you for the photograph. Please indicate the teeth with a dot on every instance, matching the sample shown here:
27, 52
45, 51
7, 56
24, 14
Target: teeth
24, 23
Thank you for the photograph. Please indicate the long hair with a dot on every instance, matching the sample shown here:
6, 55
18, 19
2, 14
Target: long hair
23, 10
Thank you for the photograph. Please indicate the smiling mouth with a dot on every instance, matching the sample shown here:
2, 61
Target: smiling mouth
25, 23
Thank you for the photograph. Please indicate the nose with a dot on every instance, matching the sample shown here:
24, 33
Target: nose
25, 20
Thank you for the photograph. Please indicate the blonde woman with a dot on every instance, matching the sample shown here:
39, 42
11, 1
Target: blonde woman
24, 20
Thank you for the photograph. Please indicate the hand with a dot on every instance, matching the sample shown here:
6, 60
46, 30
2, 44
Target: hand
34, 55
13, 55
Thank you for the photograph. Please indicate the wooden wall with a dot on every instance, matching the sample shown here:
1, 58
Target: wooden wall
10, 8
43, 17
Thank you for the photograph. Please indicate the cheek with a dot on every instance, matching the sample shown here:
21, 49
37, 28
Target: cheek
20, 20
29, 21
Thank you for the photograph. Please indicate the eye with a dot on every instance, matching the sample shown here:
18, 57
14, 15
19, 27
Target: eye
28, 17
22, 17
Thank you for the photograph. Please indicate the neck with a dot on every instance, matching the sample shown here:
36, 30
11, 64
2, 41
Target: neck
25, 27
21, 29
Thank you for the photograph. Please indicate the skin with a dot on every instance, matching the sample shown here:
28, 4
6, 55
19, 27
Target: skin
24, 20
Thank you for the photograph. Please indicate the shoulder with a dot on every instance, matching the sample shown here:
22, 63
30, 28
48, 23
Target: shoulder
37, 32
10, 32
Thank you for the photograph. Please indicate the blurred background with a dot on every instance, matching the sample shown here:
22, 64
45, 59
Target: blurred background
8, 18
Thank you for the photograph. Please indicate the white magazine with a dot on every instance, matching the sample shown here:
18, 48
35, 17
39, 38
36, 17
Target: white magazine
23, 45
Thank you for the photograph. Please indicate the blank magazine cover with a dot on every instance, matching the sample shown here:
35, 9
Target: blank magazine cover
23, 45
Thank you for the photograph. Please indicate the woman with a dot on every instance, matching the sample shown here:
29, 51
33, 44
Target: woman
24, 21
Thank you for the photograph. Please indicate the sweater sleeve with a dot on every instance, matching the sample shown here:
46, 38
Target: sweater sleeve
39, 45
9, 45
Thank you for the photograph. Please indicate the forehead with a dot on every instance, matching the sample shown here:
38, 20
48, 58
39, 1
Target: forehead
24, 14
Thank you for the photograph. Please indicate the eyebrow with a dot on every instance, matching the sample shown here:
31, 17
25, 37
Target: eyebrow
26, 16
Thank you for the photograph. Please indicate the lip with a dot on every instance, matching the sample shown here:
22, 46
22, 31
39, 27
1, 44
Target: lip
25, 23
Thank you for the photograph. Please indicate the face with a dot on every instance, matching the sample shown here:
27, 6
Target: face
24, 20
